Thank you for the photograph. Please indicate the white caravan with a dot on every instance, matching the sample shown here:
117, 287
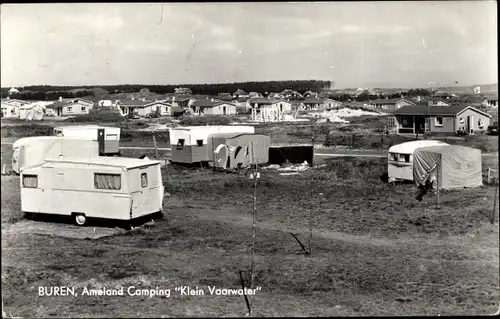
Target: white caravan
34, 150
107, 137
400, 159
102, 187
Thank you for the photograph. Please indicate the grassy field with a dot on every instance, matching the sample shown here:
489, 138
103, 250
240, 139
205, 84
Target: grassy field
376, 250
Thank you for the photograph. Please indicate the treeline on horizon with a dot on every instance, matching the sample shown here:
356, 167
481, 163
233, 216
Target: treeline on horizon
49, 92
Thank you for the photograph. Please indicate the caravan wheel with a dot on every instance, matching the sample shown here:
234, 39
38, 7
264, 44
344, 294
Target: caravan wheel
80, 219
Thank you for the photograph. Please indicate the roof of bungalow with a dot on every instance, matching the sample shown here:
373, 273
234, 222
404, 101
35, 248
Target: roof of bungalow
135, 103
240, 92
264, 100
178, 98
435, 110
208, 103
157, 102
389, 101
66, 102
314, 100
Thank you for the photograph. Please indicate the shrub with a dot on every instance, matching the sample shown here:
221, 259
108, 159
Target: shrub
97, 116
205, 120
26, 130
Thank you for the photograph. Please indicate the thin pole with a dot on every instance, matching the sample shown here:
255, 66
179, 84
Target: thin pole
494, 204
310, 222
253, 218
213, 153
438, 180
156, 149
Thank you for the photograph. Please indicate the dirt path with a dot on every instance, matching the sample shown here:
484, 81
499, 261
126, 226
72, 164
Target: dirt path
233, 216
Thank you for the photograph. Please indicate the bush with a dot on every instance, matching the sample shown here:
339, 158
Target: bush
97, 116
130, 134
205, 120
26, 130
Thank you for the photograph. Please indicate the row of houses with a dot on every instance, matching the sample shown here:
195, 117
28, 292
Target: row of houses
14, 108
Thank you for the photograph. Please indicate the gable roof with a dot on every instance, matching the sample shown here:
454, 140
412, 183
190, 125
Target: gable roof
240, 92
313, 100
137, 103
390, 101
264, 100
435, 110
178, 98
157, 102
67, 102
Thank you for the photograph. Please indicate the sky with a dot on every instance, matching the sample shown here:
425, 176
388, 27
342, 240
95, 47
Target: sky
356, 44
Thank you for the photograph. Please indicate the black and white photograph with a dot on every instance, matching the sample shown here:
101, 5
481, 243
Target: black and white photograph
249, 159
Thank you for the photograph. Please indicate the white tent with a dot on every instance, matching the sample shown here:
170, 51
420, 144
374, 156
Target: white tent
456, 166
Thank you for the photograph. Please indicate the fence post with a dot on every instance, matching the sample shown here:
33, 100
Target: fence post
252, 268
489, 175
438, 180
494, 204
156, 149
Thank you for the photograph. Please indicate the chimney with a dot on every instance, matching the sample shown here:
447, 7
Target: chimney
60, 99
173, 99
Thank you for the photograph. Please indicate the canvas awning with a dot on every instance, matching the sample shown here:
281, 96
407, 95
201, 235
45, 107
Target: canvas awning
459, 166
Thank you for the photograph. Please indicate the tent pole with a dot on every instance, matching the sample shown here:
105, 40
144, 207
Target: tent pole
438, 180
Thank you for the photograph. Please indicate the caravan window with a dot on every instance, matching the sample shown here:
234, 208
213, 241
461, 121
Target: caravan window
180, 144
404, 158
199, 142
107, 181
144, 180
30, 181
111, 137
393, 157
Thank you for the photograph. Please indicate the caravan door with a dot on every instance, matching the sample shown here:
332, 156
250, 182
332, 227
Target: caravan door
146, 190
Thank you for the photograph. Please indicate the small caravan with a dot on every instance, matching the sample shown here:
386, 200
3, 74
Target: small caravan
400, 158
100, 187
33, 150
190, 144
107, 137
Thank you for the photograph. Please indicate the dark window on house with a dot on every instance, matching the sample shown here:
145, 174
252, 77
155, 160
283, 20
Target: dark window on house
180, 144
107, 181
83, 108
480, 123
70, 109
144, 180
438, 121
30, 181
199, 142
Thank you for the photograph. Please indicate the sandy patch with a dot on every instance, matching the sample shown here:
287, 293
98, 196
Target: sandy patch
59, 230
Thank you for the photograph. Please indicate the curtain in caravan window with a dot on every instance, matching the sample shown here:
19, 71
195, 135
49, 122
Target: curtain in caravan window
107, 181
30, 181
144, 180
